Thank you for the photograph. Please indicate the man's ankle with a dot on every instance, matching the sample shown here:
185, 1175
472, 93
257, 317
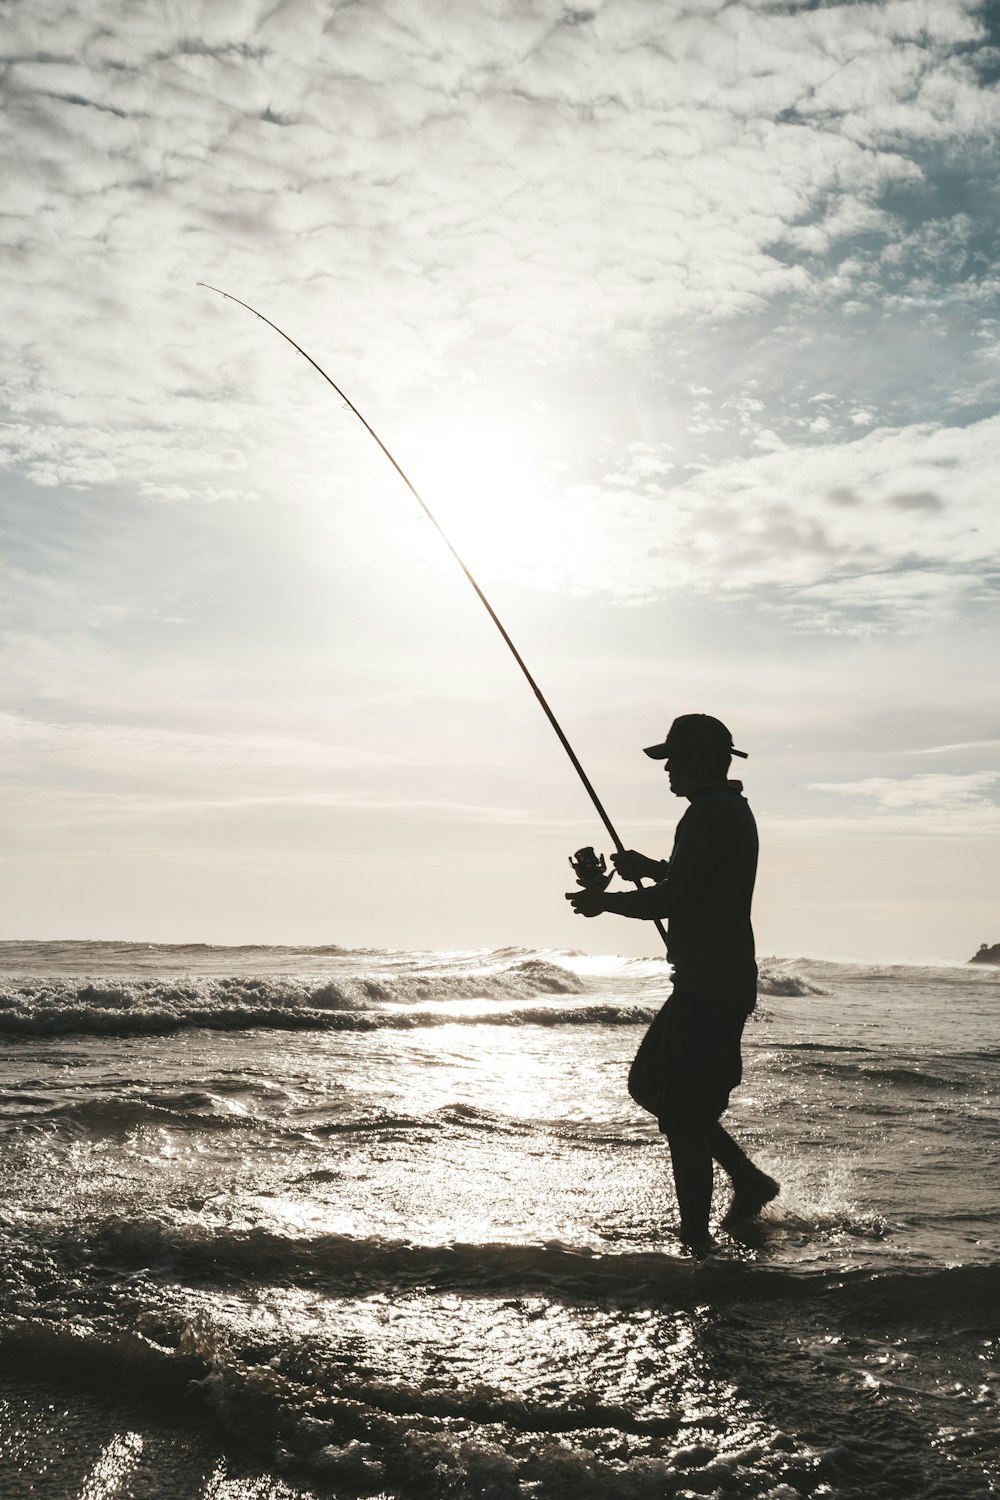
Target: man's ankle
697, 1244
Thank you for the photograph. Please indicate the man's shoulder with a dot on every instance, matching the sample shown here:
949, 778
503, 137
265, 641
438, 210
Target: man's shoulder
720, 801
724, 806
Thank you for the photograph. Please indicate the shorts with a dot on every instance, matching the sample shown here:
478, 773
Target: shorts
689, 1061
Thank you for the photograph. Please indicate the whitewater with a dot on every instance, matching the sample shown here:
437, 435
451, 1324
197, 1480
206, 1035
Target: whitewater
324, 1222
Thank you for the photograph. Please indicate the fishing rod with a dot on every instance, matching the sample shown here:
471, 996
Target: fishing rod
542, 702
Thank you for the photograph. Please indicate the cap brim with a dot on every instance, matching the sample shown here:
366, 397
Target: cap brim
661, 752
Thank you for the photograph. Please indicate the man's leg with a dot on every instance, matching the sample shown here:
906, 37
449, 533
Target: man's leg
731, 1158
699, 1063
691, 1159
752, 1188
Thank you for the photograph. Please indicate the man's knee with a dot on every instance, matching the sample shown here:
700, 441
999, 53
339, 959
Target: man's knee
686, 1114
688, 1142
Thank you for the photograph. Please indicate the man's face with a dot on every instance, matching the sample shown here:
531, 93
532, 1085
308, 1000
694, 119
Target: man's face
680, 765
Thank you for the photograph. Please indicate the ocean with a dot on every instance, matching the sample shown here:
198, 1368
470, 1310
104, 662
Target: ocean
330, 1222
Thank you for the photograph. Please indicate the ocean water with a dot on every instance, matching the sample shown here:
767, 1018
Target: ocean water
324, 1222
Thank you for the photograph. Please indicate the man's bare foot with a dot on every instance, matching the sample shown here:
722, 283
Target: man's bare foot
749, 1198
697, 1245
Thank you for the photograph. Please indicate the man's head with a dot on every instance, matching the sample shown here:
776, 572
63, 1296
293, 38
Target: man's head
697, 750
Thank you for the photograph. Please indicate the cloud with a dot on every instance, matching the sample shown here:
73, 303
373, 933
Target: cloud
888, 525
963, 745
59, 775
925, 500
112, 749
937, 803
529, 184
941, 789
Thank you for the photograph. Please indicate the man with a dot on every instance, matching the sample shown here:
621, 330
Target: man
689, 1059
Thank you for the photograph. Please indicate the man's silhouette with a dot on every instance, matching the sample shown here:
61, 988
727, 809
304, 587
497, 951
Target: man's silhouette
689, 1059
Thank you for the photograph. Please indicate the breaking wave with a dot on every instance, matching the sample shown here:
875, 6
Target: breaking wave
362, 1002
507, 988
339, 1261
773, 978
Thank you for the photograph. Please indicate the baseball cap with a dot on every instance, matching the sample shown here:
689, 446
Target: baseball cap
695, 732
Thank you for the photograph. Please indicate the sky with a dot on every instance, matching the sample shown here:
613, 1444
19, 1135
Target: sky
682, 315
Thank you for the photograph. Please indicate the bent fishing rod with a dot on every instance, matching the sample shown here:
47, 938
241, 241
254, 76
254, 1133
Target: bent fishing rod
540, 696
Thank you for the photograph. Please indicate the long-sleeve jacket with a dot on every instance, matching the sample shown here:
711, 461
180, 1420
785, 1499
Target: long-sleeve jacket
705, 894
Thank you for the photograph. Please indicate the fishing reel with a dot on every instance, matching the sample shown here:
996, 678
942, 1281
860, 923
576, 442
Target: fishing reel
591, 870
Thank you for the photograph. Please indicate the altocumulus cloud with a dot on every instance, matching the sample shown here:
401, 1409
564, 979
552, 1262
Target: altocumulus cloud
935, 803
433, 188
909, 525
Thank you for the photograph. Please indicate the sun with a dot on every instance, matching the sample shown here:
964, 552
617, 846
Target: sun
493, 495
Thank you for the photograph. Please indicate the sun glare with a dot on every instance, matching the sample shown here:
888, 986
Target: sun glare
494, 497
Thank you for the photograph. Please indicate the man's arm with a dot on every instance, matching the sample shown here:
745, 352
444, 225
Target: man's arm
652, 901
631, 865
647, 904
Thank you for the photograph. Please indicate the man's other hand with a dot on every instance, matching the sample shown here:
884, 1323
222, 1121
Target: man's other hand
631, 865
586, 903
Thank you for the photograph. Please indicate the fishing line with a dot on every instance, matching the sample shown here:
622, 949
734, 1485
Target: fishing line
542, 702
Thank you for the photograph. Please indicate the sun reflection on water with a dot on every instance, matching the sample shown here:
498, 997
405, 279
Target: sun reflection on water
621, 1384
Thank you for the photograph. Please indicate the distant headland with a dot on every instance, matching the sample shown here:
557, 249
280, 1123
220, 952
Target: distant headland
987, 955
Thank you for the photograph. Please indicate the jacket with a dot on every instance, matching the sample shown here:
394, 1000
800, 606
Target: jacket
705, 894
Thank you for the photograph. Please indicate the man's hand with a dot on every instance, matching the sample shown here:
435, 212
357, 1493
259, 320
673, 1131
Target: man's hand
631, 865
586, 902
